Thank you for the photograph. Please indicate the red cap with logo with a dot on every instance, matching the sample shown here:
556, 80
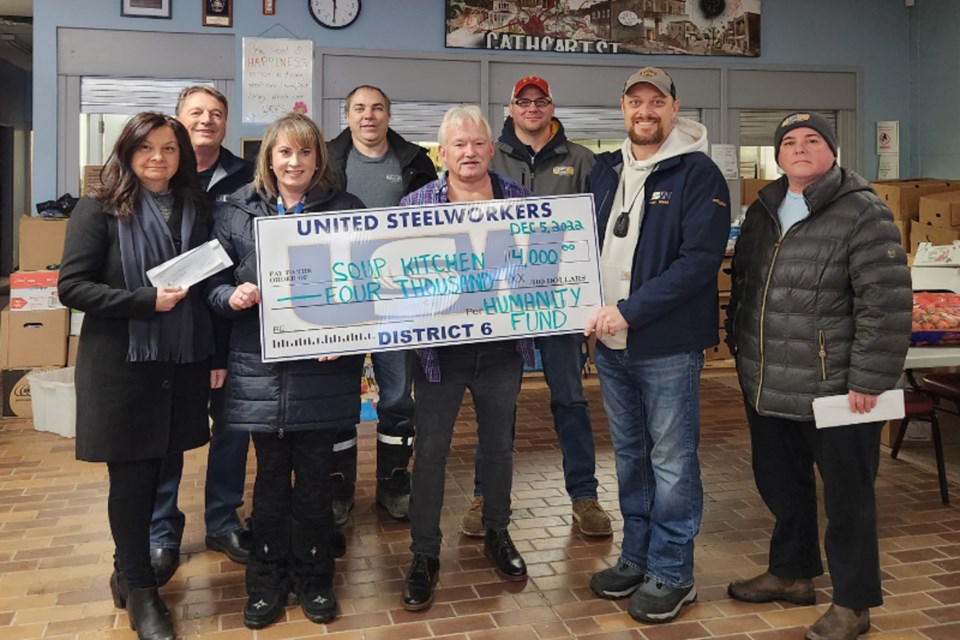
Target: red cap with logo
531, 81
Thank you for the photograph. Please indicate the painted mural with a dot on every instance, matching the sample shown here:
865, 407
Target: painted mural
686, 27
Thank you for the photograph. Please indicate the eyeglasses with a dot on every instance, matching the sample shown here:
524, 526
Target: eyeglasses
622, 224
523, 103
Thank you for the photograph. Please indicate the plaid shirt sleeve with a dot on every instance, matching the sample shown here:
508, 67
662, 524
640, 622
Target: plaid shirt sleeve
435, 193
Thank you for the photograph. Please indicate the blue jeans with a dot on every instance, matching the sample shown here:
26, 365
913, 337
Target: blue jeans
223, 492
394, 373
653, 406
562, 369
493, 375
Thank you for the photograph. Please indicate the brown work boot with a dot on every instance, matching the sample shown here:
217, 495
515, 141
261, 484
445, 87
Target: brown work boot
472, 524
840, 623
769, 588
591, 517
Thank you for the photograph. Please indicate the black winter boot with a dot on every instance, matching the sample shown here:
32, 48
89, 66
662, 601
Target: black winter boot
313, 568
393, 479
268, 574
344, 478
148, 615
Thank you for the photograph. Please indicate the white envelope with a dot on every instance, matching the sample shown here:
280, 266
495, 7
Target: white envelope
189, 268
834, 411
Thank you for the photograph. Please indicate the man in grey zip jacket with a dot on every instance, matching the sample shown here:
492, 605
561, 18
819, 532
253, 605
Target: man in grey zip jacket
534, 151
820, 306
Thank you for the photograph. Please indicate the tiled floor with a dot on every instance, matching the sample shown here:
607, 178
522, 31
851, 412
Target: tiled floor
55, 551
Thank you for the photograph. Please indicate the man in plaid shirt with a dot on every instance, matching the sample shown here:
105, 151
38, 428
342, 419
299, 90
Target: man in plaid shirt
492, 370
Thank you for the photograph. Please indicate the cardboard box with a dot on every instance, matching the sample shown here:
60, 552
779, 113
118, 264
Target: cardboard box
15, 387
941, 209
719, 352
724, 303
34, 290
90, 178
749, 187
724, 282
904, 227
76, 322
903, 196
41, 242
30, 339
920, 232
72, 343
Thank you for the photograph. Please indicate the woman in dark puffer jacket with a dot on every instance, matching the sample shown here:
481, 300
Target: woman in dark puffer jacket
293, 409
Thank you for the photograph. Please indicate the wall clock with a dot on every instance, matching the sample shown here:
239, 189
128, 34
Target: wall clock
334, 14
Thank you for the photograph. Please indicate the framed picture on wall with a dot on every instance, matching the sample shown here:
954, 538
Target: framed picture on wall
217, 13
249, 148
145, 8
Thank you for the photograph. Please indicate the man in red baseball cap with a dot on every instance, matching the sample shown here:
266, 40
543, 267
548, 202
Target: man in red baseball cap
534, 151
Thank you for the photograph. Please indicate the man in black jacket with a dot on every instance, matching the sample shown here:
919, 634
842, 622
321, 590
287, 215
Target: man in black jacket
203, 111
377, 165
820, 306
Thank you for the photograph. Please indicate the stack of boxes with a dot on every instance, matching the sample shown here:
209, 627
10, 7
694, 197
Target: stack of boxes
34, 327
908, 199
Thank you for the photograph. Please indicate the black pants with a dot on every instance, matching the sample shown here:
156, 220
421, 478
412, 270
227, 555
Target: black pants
493, 375
784, 454
301, 455
133, 492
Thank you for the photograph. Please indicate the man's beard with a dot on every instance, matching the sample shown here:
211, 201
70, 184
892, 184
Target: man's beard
656, 137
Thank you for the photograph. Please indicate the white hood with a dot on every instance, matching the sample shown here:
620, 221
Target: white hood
686, 136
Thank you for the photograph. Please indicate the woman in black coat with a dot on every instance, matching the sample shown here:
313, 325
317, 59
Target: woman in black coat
143, 361
293, 409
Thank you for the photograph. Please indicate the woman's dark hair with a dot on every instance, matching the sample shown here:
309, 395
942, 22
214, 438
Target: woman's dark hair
120, 188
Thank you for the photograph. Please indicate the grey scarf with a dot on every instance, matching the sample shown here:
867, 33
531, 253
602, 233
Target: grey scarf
145, 242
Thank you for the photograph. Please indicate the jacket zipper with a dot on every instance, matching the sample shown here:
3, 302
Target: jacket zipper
823, 355
763, 310
763, 305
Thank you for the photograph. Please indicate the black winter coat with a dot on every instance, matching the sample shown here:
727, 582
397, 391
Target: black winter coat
126, 411
276, 396
824, 310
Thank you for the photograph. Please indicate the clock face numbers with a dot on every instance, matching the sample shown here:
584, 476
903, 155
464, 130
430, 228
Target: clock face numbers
334, 14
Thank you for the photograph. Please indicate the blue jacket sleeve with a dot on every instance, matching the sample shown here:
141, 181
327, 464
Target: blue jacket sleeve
705, 227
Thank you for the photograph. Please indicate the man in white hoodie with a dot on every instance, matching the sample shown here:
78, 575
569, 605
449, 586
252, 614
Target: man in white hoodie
663, 216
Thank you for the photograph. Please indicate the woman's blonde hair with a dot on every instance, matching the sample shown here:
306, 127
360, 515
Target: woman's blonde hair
302, 132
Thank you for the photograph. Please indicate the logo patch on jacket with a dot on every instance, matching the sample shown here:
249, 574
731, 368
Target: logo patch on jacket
563, 171
660, 197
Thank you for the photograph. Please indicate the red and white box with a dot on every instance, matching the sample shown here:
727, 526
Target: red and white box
34, 291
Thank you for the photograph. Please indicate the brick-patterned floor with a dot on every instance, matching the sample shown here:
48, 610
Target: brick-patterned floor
55, 550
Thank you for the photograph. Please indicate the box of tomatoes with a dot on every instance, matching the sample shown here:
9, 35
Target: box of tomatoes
936, 319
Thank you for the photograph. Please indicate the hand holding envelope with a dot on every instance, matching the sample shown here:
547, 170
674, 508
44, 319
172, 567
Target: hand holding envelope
189, 268
834, 411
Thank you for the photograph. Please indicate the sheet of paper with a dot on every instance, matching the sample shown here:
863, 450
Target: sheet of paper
189, 268
834, 411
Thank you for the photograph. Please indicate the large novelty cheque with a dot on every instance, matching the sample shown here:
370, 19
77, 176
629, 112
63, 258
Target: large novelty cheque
425, 275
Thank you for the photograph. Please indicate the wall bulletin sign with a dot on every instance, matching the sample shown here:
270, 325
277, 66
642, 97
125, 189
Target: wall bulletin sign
277, 78
690, 27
